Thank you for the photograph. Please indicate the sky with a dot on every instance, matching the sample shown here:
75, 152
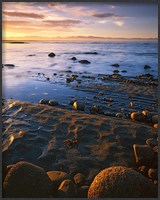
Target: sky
47, 20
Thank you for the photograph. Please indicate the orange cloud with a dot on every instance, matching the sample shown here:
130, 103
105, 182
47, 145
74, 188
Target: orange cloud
22, 14
106, 15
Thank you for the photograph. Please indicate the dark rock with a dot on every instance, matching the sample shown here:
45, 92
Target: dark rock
43, 101
124, 71
8, 65
153, 174
74, 76
82, 192
121, 182
31, 55
152, 142
55, 74
79, 179
91, 53
116, 71
51, 54
137, 116
147, 67
53, 103
79, 105
84, 62
115, 65
26, 180
67, 189
155, 149
96, 109
57, 177
68, 80
144, 154
73, 58
144, 170
100, 93
155, 119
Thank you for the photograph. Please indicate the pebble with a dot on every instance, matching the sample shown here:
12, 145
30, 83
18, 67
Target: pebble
121, 182
67, 189
43, 101
79, 179
144, 154
51, 54
79, 106
152, 142
53, 103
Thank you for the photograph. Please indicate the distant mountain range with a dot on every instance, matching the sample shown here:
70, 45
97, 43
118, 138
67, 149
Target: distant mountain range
76, 38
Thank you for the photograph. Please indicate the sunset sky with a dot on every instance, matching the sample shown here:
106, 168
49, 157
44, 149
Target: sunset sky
46, 20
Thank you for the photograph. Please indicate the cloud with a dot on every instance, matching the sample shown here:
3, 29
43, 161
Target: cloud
63, 23
107, 15
119, 23
22, 14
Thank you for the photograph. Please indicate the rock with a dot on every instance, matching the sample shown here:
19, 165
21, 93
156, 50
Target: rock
96, 109
121, 182
9, 65
147, 67
79, 106
155, 126
79, 179
68, 80
57, 177
155, 119
124, 71
120, 115
31, 55
144, 154
73, 58
144, 169
43, 101
53, 103
82, 192
79, 81
137, 116
155, 149
152, 142
90, 53
147, 115
153, 174
67, 189
100, 93
115, 65
84, 62
51, 54
116, 71
74, 76
55, 74
26, 180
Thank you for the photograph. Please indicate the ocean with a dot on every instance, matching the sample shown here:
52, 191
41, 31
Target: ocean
27, 80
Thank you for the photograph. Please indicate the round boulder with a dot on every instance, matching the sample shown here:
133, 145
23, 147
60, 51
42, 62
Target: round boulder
51, 54
137, 116
121, 182
26, 180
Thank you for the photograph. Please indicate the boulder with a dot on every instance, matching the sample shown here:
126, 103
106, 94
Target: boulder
144, 154
51, 54
121, 182
84, 62
26, 180
57, 177
67, 189
79, 179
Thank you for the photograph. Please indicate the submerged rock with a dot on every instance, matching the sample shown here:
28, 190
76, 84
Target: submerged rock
147, 67
51, 54
121, 182
144, 154
68, 80
116, 71
115, 65
73, 58
26, 180
84, 62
